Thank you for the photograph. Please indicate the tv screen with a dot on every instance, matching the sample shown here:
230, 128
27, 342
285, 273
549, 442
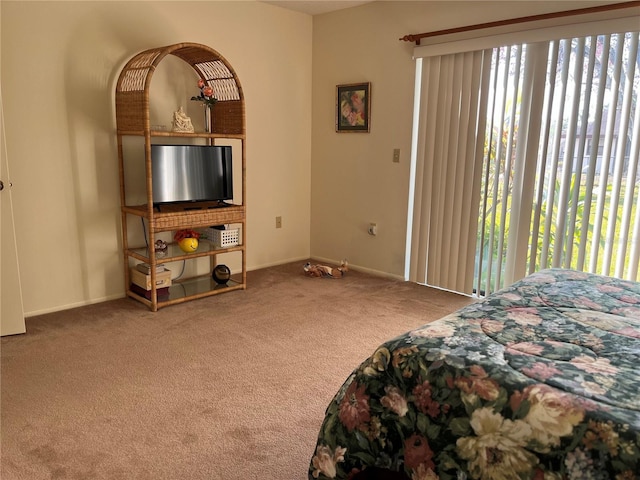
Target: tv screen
191, 173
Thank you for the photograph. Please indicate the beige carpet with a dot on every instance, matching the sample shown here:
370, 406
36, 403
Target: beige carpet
231, 387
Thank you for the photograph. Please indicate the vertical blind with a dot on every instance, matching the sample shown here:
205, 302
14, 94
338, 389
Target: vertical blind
548, 175
447, 187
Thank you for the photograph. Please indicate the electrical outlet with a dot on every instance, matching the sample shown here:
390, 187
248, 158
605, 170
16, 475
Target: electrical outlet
278, 222
396, 155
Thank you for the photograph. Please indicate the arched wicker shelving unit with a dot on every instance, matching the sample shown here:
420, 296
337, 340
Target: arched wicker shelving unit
228, 122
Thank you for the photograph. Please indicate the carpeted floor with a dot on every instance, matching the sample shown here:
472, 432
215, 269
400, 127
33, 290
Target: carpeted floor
231, 387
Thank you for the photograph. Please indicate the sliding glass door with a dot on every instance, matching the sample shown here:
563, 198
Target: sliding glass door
560, 173
526, 157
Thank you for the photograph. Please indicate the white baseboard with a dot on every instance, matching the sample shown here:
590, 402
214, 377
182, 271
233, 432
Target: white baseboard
329, 261
59, 308
279, 262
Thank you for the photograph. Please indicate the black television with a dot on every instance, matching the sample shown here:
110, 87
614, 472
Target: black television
191, 173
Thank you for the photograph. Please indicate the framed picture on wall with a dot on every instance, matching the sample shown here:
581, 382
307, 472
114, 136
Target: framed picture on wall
353, 107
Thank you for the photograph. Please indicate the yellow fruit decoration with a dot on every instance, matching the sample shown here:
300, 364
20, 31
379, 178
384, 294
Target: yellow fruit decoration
188, 245
187, 240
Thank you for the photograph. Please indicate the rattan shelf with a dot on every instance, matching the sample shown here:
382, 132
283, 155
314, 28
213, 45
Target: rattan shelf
167, 133
177, 219
205, 248
191, 289
133, 119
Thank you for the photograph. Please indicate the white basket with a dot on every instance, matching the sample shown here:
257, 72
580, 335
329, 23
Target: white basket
223, 238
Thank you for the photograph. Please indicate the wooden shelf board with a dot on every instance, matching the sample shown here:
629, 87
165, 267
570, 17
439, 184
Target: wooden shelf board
168, 133
190, 289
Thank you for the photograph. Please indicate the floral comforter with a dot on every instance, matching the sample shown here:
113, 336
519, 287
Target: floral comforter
538, 381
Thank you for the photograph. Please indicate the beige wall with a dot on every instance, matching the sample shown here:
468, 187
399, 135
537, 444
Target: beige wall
60, 61
353, 178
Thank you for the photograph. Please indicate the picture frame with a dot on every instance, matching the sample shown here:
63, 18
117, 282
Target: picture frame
353, 107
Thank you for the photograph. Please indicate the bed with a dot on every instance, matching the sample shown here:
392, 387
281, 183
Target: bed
537, 381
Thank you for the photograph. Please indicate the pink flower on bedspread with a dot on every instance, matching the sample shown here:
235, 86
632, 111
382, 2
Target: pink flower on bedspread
479, 384
525, 316
542, 278
492, 326
417, 452
600, 320
394, 400
528, 348
628, 332
435, 330
422, 472
609, 288
590, 341
629, 312
325, 461
354, 408
628, 299
593, 388
541, 371
594, 365
587, 304
423, 400
512, 297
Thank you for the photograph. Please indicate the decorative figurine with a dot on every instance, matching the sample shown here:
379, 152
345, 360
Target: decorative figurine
181, 122
161, 248
326, 270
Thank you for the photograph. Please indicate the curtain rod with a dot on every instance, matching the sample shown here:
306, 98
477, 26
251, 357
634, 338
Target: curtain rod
415, 37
